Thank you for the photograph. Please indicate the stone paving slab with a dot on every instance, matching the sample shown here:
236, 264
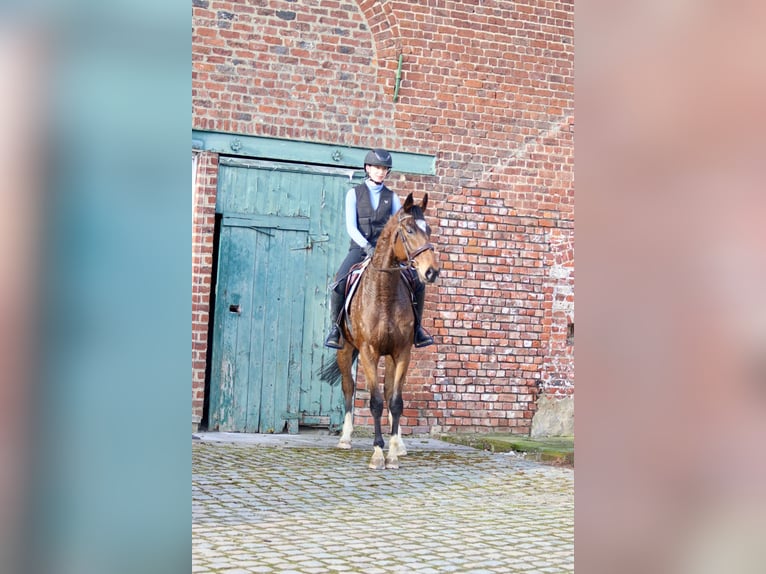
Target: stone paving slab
304, 507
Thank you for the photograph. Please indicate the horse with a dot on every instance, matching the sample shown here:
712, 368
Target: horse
380, 322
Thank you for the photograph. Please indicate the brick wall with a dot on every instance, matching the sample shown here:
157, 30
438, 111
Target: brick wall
487, 87
202, 268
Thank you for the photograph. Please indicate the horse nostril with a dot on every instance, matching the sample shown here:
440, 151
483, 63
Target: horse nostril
432, 274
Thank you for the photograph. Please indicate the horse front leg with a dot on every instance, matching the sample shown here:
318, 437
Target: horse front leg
378, 461
395, 408
345, 358
396, 446
368, 360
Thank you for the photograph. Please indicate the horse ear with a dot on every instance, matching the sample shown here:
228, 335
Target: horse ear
408, 203
424, 203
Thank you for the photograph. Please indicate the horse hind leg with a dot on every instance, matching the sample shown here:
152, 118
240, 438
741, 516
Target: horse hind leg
397, 443
345, 360
348, 428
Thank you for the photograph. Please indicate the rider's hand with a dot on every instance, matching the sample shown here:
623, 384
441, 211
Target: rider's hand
369, 249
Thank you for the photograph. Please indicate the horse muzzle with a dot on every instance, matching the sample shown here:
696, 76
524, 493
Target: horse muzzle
431, 274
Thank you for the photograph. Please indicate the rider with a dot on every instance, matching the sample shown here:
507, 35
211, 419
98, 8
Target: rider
368, 207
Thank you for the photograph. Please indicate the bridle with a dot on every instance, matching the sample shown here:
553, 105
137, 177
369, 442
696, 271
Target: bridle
411, 255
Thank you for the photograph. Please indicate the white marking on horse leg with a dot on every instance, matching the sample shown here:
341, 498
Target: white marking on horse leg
392, 460
401, 450
378, 461
348, 428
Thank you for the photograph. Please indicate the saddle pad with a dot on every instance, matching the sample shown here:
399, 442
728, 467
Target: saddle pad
353, 282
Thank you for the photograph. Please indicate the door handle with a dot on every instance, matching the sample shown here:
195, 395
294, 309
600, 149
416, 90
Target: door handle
235, 309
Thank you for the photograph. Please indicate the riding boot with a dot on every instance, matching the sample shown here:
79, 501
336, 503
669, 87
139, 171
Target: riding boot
422, 338
336, 306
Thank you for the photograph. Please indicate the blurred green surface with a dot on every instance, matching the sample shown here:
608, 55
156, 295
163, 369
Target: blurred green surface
556, 450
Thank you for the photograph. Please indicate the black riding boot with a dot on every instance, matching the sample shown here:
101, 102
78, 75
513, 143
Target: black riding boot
422, 338
336, 306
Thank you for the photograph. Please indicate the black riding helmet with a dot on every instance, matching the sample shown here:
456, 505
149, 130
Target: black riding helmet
378, 157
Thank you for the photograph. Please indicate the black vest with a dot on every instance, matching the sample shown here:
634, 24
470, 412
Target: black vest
371, 222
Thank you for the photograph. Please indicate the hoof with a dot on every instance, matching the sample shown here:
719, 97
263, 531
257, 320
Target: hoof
344, 445
378, 461
397, 446
392, 463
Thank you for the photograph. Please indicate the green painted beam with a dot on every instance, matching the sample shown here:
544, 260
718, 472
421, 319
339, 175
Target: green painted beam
307, 152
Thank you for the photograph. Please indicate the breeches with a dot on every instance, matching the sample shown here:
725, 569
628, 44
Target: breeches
355, 255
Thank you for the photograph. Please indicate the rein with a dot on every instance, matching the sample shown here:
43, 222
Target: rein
410, 254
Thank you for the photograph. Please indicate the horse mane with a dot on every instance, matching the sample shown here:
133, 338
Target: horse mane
393, 222
388, 230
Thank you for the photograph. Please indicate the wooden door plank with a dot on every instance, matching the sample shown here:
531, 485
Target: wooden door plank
270, 356
240, 292
297, 296
258, 273
218, 371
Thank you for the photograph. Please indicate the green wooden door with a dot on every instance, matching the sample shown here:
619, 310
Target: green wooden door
282, 237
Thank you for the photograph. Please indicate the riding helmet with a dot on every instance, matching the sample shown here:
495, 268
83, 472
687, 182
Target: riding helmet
378, 157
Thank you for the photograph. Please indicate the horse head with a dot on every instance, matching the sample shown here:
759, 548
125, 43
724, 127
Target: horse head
413, 242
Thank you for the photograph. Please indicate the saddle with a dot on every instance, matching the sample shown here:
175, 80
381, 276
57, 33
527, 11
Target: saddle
353, 282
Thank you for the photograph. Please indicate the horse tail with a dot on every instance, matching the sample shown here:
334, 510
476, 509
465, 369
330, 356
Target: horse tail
330, 373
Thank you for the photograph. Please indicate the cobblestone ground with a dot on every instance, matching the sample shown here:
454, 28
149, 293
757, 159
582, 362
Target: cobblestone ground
316, 510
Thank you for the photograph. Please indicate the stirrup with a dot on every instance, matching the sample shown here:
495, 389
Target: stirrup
333, 339
422, 338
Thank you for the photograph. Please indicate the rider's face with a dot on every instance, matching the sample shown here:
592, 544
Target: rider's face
377, 173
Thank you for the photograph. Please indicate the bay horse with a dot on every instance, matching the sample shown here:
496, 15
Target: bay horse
381, 323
